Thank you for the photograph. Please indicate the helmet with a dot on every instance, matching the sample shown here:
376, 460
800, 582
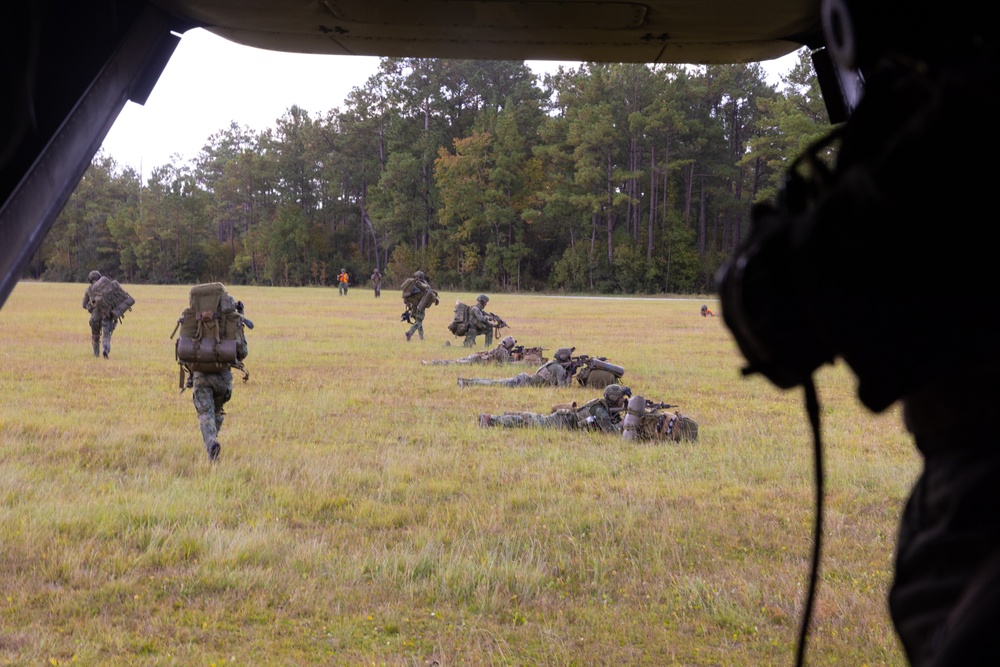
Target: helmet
419, 275
508, 342
343, 270
482, 298
93, 276
616, 393
563, 354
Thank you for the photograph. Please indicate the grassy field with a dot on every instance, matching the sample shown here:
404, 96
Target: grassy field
359, 516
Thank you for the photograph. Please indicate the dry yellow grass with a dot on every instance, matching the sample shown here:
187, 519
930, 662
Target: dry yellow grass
359, 515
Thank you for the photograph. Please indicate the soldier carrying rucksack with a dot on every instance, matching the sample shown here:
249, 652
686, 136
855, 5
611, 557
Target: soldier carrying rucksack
212, 341
473, 321
418, 296
107, 302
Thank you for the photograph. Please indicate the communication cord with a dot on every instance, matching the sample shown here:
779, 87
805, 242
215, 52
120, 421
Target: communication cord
812, 409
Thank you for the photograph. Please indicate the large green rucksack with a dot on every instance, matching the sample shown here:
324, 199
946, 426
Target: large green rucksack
212, 336
418, 295
460, 325
110, 299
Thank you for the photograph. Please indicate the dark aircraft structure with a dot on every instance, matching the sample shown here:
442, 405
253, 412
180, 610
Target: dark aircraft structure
881, 259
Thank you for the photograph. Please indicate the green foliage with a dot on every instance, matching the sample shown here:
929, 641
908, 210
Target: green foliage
609, 177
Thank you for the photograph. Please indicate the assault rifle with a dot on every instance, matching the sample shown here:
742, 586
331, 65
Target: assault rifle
405, 317
582, 360
497, 323
650, 405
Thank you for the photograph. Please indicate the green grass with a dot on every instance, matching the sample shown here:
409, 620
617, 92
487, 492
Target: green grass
360, 516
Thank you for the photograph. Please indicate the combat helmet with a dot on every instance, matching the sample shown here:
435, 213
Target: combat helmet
508, 342
563, 354
482, 298
420, 275
93, 276
616, 393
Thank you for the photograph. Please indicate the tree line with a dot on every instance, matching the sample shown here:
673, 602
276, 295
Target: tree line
602, 178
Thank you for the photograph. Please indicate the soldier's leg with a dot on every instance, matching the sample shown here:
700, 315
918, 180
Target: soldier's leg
222, 391
420, 326
524, 419
518, 380
489, 338
108, 327
470, 338
95, 332
204, 403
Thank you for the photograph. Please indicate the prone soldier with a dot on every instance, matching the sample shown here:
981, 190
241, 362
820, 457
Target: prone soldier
558, 372
603, 414
508, 351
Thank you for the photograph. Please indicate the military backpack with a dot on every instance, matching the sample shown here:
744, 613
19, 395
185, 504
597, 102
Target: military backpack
418, 296
460, 325
212, 336
110, 299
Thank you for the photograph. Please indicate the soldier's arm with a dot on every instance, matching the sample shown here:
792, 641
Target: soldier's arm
603, 419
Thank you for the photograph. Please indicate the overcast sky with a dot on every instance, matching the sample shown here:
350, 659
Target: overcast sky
210, 82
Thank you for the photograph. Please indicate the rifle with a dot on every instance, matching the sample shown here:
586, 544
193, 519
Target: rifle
497, 322
576, 363
650, 405
405, 317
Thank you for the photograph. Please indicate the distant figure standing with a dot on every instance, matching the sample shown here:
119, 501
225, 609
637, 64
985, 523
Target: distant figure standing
342, 282
377, 282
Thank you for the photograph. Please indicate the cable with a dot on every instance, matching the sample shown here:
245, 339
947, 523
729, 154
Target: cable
812, 409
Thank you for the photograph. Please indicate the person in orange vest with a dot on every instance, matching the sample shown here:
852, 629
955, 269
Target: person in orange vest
342, 282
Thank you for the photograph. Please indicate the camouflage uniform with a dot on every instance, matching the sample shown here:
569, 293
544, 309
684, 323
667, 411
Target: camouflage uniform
603, 413
377, 283
554, 373
501, 354
420, 287
211, 391
479, 323
98, 325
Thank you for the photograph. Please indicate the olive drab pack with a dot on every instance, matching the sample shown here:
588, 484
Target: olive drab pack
598, 372
645, 421
418, 295
110, 299
460, 325
212, 336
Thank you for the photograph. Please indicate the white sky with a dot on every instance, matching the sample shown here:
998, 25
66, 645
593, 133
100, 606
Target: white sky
210, 82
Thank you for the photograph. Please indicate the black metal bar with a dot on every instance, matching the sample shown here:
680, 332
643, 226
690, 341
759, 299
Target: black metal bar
34, 203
